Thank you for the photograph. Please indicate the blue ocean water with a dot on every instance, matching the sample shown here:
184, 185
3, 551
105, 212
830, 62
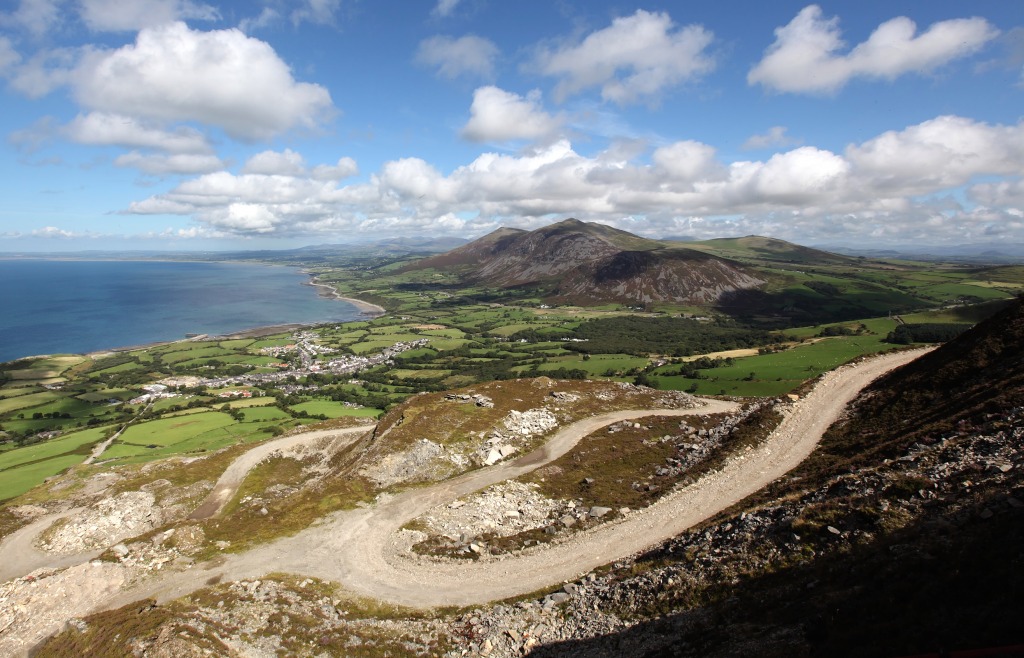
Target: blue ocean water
54, 306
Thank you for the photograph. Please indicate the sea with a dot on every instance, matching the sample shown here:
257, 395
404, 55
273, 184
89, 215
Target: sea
80, 306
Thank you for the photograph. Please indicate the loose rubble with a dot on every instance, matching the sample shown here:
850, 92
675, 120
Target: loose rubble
502, 509
420, 462
128, 514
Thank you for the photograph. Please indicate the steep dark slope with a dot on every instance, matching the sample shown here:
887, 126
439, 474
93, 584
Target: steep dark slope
900, 536
957, 387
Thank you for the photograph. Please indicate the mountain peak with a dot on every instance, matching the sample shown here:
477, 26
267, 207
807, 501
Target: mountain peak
588, 262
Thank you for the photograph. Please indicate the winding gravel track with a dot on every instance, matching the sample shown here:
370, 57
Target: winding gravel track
362, 549
229, 481
20, 556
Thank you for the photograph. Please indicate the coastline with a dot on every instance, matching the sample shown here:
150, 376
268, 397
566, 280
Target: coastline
367, 309
326, 290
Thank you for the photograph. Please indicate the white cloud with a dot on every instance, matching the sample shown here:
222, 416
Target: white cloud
345, 168
38, 17
316, 11
44, 71
497, 115
1002, 194
775, 137
102, 129
221, 78
8, 56
897, 186
54, 232
468, 55
940, 153
177, 163
633, 59
267, 16
131, 15
686, 161
285, 163
805, 56
445, 8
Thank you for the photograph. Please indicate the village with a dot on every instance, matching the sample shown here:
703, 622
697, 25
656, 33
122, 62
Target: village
305, 350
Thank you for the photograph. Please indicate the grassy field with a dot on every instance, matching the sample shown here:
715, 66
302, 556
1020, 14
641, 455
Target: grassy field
23, 468
190, 433
777, 373
333, 409
28, 401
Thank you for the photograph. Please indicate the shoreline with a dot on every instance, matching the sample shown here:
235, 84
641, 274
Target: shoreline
326, 290
371, 311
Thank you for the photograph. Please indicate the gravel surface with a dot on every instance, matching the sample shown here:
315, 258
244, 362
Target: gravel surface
364, 551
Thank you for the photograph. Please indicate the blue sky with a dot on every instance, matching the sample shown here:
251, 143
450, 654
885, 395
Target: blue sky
182, 124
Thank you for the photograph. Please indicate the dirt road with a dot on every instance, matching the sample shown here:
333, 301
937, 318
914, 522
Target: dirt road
363, 551
229, 481
21, 557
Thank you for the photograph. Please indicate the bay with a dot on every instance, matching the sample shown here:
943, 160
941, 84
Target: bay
76, 306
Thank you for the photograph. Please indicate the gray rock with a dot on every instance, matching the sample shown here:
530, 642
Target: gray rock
597, 511
493, 457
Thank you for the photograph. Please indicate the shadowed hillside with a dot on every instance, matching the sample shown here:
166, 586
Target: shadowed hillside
901, 535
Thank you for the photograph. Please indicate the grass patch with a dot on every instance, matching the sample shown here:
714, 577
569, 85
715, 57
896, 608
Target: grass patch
7, 405
333, 409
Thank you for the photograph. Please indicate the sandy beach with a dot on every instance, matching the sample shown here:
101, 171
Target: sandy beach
366, 308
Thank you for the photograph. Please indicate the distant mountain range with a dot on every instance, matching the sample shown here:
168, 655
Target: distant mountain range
970, 253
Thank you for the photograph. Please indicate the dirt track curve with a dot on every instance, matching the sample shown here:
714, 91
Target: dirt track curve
361, 548
229, 481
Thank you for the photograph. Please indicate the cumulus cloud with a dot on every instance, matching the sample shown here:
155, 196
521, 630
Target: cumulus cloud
131, 15
103, 129
806, 57
497, 115
898, 184
775, 137
444, 8
345, 168
287, 163
220, 78
158, 164
469, 55
633, 59
940, 153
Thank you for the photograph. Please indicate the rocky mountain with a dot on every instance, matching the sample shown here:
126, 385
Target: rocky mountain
581, 262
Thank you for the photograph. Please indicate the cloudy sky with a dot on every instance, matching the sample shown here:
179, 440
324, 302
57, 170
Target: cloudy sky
184, 124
